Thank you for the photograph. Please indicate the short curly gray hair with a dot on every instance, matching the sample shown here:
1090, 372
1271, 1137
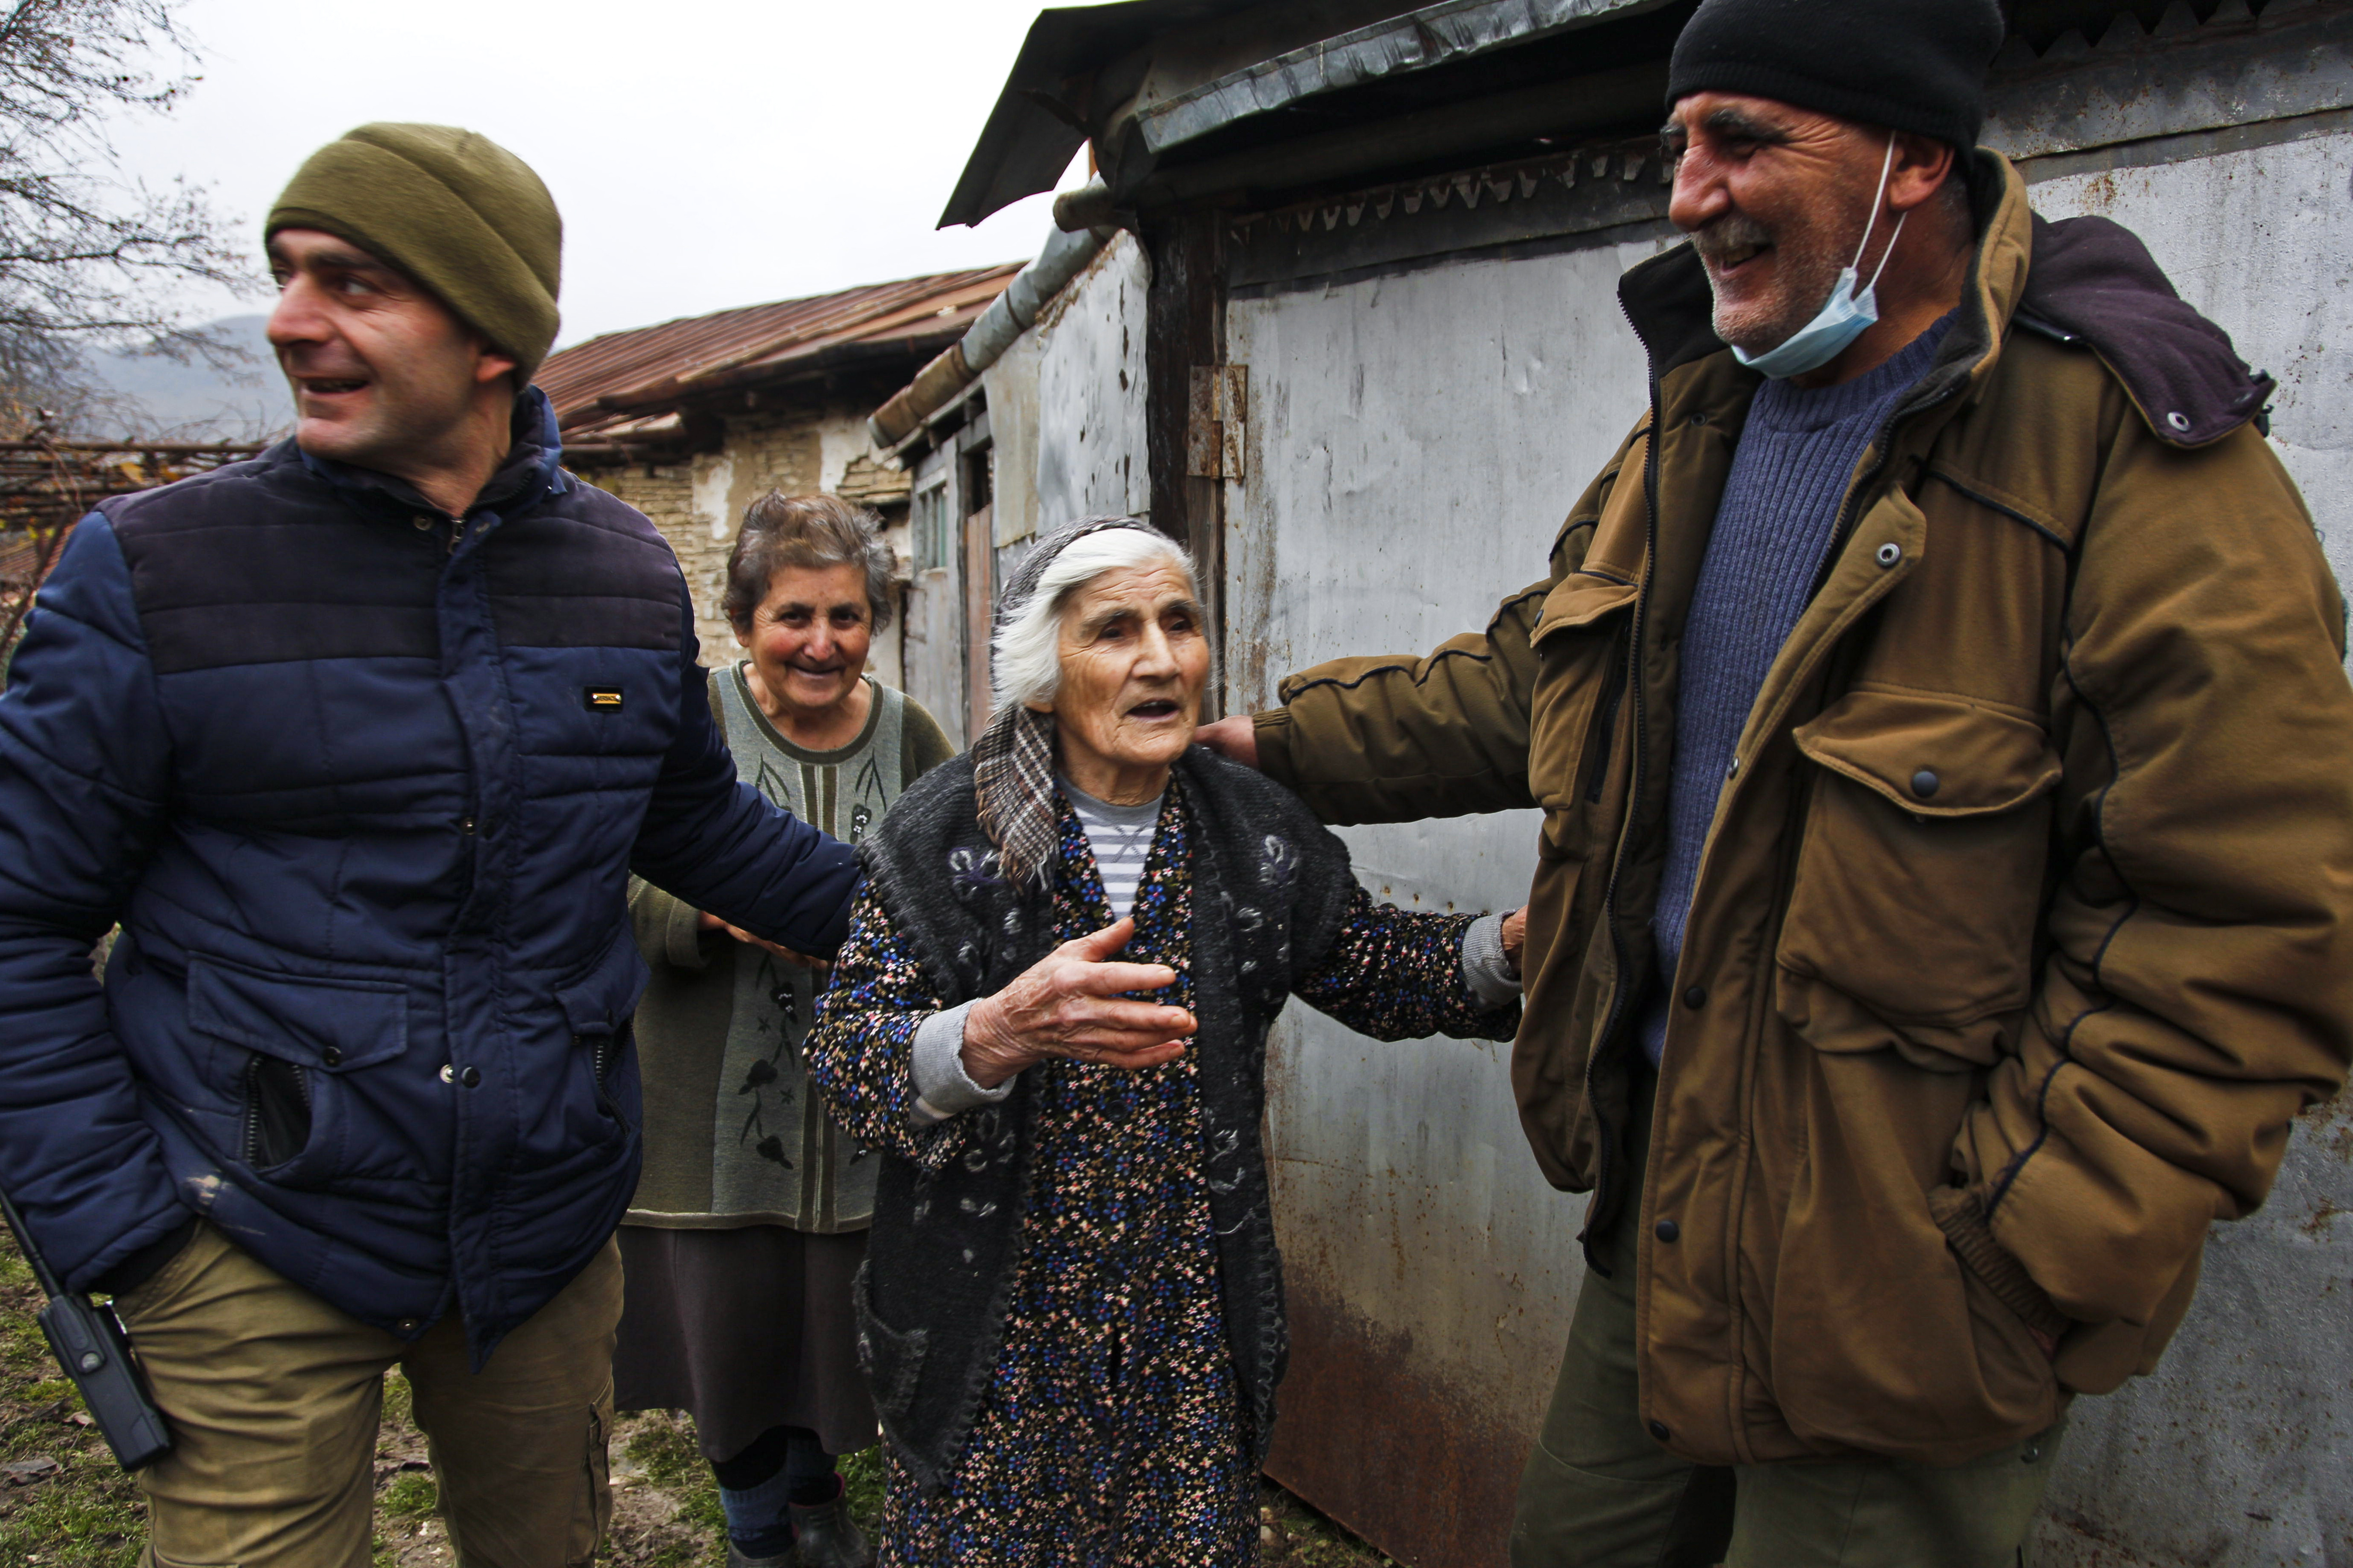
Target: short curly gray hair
819, 531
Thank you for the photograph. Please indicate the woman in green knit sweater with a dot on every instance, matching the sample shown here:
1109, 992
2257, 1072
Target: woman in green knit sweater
751, 1217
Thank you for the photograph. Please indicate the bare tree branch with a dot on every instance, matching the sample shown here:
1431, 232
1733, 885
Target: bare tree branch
88, 255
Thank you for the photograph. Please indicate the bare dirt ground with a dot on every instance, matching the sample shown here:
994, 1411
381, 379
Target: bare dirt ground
64, 1503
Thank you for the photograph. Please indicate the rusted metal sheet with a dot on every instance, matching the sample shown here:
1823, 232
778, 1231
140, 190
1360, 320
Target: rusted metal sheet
1214, 428
1412, 444
614, 378
2129, 84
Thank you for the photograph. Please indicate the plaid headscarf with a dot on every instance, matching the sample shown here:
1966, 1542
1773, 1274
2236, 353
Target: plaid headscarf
1013, 761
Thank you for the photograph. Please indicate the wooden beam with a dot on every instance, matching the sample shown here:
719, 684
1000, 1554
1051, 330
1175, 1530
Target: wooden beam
1184, 330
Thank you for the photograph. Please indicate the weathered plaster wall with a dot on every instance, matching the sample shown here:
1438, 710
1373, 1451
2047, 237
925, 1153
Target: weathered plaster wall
1413, 445
1066, 402
699, 505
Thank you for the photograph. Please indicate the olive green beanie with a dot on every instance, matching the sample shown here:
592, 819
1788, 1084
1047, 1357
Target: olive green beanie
456, 211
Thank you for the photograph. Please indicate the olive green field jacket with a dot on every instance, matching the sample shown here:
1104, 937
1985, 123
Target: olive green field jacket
2019, 937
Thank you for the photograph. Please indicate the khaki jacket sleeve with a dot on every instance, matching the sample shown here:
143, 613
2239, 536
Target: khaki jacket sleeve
2198, 990
1396, 738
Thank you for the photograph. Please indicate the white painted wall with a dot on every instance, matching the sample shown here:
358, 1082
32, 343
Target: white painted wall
715, 488
1066, 402
1414, 443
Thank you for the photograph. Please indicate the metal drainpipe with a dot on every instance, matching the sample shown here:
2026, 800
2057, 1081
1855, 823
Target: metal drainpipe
1008, 316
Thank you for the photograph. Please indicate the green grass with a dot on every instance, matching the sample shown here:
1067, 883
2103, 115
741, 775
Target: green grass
863, 1476
89, 1515
411, 1495
663, 1447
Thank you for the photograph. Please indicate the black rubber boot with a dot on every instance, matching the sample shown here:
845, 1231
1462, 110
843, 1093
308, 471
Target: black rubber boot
826, 1536
736, 1559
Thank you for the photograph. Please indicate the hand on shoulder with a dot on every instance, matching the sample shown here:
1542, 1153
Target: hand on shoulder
1234, 738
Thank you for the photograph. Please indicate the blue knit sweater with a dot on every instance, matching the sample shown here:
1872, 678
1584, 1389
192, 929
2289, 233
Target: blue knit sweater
1773, 532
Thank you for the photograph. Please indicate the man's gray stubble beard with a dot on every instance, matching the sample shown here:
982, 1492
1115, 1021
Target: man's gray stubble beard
1809, 267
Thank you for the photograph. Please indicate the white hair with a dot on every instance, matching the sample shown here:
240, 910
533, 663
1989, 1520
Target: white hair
1027, 665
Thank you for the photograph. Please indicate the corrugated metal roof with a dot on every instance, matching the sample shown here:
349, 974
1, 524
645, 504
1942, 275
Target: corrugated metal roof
628, 375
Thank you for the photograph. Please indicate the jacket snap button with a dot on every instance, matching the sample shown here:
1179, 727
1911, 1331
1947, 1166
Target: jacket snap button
1667, 1230
406, 1325
1890, 554
1925, 783
421, 521
2178, 420
1695, 997
332, 1056
1659, 1430
449, 1073
471, 1077
466, 825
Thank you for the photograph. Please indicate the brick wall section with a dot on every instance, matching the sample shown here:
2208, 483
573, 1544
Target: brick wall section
698, 503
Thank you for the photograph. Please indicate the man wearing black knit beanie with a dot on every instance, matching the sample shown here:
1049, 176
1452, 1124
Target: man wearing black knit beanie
1944, 901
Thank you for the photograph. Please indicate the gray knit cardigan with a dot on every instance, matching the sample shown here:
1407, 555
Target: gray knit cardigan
1271, 888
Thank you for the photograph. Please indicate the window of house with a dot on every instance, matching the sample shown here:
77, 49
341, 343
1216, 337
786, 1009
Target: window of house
934, 529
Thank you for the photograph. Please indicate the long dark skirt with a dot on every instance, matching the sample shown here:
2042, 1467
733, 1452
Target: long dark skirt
744, 1330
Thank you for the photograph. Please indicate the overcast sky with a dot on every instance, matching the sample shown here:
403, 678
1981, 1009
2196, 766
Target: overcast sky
706, 153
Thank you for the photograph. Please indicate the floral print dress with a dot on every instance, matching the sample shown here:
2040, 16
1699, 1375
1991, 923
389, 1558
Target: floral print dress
1113, 1432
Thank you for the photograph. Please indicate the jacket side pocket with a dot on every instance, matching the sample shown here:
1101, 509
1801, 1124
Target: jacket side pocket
304, 1036
1960, 1214
892, 1360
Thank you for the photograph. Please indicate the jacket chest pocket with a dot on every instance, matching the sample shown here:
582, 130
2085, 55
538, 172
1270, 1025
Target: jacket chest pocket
1582, 640
1920, 878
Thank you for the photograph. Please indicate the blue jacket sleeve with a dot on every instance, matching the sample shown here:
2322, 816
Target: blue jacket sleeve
710, 839
84, 769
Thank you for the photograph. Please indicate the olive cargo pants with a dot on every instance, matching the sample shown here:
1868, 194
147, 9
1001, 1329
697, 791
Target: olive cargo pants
273, 1397
1598, 1492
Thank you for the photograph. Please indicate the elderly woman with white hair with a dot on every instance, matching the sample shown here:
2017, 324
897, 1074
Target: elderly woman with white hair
1051, 1016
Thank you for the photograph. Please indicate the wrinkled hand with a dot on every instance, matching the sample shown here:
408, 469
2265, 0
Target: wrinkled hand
709, 921
1068, 1005
1234, 738
1515, 937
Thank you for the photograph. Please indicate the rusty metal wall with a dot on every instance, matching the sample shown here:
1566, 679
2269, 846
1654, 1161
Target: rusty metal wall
1413, 443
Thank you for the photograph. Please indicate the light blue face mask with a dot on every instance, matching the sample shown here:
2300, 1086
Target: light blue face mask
1844, 316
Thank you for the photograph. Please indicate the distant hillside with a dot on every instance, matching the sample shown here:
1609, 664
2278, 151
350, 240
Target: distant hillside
146, 395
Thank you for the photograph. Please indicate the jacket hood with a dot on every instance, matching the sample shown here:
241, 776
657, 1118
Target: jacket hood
2095, 282
2084, 280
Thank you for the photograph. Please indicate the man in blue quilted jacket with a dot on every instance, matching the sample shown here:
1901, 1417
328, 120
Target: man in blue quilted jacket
360, 741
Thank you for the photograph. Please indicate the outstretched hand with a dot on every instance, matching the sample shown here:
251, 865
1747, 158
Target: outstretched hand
1069, 1003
